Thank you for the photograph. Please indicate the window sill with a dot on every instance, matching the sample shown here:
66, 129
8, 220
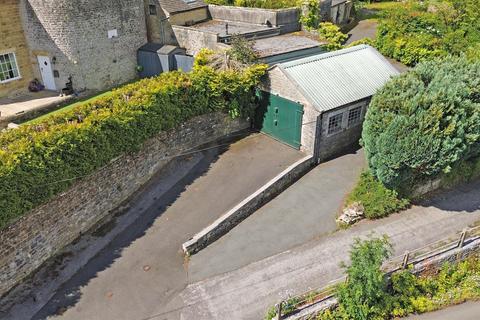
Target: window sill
10, 80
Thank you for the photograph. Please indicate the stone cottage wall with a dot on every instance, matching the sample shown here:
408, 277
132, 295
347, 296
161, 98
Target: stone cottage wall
12, 39
40, 234
74, 34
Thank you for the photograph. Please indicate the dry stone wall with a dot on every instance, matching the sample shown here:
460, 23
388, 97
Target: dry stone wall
39, 235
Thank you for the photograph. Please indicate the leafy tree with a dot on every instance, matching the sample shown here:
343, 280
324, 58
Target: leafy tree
423, 122
365, 294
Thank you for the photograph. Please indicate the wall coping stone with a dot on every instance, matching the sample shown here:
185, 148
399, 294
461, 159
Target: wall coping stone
248, 206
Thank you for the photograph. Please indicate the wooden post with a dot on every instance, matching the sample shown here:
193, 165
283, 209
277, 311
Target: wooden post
279, 311
462, 238
405, 259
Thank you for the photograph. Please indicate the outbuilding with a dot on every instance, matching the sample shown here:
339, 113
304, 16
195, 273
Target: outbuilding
318, 103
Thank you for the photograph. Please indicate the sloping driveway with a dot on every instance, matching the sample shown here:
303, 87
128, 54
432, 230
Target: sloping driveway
305, 211
141, 268
246, 293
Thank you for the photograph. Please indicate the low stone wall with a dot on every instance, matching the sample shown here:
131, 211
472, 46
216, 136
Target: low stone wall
287, 19
248, 206
44, 231
193, 40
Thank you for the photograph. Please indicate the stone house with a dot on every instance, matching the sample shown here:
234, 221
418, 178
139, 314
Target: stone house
94, 42
318, 103
15, 67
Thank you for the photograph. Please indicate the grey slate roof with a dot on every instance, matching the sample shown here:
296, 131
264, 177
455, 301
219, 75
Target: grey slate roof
175, 6
331, 80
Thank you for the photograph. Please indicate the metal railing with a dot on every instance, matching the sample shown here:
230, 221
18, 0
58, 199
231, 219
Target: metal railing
296, 304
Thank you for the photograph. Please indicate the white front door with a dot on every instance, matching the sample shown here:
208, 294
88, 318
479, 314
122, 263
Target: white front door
47, 73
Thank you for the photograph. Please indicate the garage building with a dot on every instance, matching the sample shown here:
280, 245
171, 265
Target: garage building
317, 104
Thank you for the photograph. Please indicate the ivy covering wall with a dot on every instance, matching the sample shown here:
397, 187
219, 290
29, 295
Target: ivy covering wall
40, 160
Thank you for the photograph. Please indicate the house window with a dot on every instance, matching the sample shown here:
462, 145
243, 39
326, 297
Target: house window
8, 67
354, 116
153, 9
335, 123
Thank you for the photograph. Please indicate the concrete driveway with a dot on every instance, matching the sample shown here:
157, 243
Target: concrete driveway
304, 211
140, 270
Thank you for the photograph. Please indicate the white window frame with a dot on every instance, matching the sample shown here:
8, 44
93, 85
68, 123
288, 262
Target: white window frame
331, 115
16, 64
361, 106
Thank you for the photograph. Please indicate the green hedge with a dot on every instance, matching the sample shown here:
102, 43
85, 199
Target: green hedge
40, 160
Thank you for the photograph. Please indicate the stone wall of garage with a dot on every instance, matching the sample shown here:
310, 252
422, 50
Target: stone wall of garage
332, 145
43, 232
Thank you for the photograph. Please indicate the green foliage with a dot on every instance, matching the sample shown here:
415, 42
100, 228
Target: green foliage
40, 160
332, 34
422, 123
377, 200
310, 19
407, 293
453, 284
242, 50
416, 32
365, 294
265, 4
367, 41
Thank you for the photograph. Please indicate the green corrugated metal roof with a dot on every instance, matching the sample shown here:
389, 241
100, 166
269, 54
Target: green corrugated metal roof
337, 78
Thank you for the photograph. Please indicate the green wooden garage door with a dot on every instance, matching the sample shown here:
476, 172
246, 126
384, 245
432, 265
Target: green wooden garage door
280, 118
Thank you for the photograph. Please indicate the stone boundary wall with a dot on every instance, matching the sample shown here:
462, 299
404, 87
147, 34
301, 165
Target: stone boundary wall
452, 255
44, 231
193, 40
248, 206
287, 19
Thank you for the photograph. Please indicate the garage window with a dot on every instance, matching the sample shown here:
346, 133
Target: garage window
354, 116
335, 123
152, 9
8, 67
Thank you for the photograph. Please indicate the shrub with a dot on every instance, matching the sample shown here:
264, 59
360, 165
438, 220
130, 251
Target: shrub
365, 294
40, 160
332, 34
422, 123
413, 33
243, 50
377, 200
265, 4
368, 41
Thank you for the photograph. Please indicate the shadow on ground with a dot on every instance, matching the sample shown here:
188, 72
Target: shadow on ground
69, 293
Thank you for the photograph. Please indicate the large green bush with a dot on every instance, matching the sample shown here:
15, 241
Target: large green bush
422, 123
40, 160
